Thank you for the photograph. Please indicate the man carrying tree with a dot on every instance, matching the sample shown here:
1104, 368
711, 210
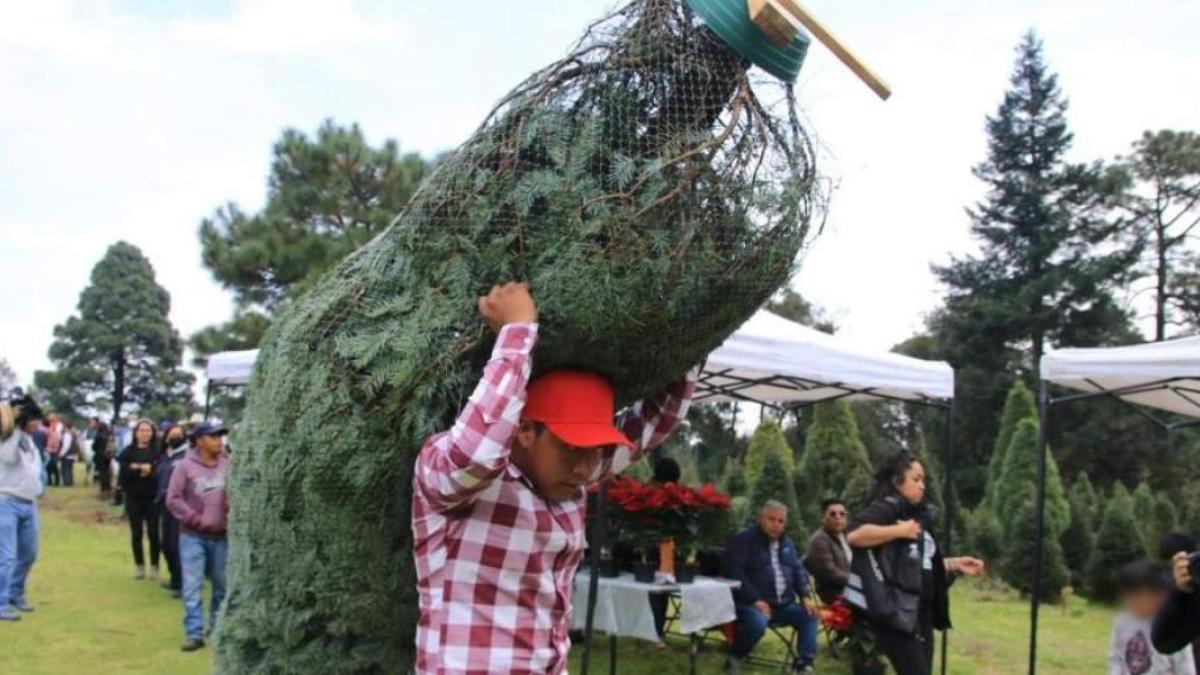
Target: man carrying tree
499, 501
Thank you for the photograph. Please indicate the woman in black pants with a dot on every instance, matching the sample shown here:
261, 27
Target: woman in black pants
140, 487
174, 445
896, 517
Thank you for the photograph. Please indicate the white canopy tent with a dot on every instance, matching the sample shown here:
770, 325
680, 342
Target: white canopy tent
775, 361
1163, 376
227, 369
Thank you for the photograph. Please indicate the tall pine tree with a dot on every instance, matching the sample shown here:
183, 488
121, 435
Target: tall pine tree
120, 353
1047, 266
768, 436
1020, 474
1117, 545
1016, 565
1019, 405
1048, 262
834, 456
775, 482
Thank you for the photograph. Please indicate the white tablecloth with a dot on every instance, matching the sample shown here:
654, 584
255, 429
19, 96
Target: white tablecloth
623, 605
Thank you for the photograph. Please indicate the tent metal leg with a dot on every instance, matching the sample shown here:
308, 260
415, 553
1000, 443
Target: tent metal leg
207, 400
948, 463
598, 545
1040, 521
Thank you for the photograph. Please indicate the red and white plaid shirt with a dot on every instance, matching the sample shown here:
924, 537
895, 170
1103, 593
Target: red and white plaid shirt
495, 561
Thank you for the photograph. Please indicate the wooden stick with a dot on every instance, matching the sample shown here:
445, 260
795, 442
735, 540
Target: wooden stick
773, 21
839, 49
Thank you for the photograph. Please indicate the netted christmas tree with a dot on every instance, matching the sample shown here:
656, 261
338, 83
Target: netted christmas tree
652, 189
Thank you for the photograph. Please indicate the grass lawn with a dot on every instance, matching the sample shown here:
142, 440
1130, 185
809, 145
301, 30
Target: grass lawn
93, 617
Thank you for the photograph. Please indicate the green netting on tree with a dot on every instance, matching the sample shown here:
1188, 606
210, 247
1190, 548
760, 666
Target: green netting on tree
652, 191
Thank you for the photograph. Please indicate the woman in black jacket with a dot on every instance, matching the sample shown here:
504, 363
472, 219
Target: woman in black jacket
140, 487
894, 519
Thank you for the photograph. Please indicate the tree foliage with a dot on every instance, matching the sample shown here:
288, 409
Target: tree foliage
775, 482
1051, 257
1016, 565
1164, 202
1117, 545
835, 460
326, 196
1020, 474
767, 437
1079, 538
119, 352
1018, 406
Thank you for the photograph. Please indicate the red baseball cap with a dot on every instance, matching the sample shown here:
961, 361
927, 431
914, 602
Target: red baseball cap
577, 406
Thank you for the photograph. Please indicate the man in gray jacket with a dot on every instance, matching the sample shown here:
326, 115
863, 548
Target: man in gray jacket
21, 483
828, 558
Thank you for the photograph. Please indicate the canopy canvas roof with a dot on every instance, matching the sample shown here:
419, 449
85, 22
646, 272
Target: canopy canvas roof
773, 360
768, 360
1163, 375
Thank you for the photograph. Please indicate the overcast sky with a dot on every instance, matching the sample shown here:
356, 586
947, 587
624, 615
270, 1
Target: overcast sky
135, 119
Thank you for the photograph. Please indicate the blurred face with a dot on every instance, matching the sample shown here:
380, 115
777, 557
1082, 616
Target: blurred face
210, 445
32, 426
911, 485
1143, 603
175, 434
558, 470
834, 518
143, 434
773, 522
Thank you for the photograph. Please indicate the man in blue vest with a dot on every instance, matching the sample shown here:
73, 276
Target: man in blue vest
774, 588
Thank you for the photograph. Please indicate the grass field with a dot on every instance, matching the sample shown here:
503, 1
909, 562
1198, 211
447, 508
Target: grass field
93, 617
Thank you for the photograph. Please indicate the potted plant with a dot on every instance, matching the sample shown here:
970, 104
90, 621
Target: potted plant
693, 518
852, 633
634, 516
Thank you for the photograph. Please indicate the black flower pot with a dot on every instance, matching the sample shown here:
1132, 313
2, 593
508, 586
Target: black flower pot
609, 568
684, 572
644, 572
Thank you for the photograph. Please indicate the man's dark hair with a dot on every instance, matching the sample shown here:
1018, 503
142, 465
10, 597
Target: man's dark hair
28, 410
666, 470
1143, 575
825, 504
1175, 542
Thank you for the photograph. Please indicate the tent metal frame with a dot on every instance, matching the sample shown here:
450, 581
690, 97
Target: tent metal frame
706, 390
1045, 402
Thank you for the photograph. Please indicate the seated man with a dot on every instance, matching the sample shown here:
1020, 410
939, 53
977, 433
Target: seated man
828, 557
764, 560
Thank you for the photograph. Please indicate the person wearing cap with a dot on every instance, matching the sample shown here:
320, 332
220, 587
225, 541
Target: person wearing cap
499, 501
22, 481
196, 497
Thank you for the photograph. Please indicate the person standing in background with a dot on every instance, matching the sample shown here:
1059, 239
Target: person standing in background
66, 454
53, 447
101, 456
138, 482
196, 496
174, 446
22, 481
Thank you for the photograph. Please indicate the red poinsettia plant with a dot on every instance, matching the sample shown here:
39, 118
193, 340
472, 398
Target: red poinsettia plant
645, 513
849, 632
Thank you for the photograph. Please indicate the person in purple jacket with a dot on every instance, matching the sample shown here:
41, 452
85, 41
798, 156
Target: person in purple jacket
196, 497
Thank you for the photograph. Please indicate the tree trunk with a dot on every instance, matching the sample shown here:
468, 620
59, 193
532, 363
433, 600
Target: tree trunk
1160, 291
118, 385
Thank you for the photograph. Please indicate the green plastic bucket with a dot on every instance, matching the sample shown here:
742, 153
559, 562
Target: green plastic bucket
730, 20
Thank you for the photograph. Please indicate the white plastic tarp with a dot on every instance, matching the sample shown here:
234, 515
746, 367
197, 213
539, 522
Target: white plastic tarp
231, 367
773, 360
1163, 375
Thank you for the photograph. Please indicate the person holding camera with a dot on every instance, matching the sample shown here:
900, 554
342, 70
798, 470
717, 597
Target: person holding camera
1177, 623
899, 579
